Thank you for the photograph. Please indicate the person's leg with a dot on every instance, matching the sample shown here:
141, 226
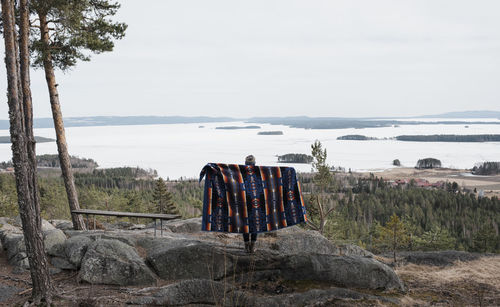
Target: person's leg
246, 238
252, 243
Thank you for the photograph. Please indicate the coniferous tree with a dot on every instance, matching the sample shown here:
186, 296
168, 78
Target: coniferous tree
486, 239
323, 180
163, 198
393, 234
437, 238
67, 30
23, 145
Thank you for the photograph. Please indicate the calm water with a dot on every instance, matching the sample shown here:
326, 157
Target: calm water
183, 149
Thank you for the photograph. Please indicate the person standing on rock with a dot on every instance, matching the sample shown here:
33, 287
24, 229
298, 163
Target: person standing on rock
250, 199
250, 245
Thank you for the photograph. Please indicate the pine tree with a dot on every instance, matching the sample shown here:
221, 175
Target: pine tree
23, 145
163, 198
323, 180
486, 239
393, 234
437, 238
66, 31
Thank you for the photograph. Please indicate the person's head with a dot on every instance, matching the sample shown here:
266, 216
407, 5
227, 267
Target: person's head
250, 160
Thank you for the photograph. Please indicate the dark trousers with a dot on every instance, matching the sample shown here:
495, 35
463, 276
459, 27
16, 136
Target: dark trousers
246, 237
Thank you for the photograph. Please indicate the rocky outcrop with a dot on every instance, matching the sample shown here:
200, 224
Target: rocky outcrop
45, 224
69, 255
185, 226
13, 242
62, 224
183, 253
208, 292
206, 261
114, 263
293, 240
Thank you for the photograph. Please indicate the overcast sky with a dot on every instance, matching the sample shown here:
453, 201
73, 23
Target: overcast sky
286, 58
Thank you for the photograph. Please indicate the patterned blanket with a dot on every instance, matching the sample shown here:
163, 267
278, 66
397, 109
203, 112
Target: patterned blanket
250, 199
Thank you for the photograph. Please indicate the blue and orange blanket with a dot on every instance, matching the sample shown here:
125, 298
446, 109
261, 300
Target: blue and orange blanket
250, 199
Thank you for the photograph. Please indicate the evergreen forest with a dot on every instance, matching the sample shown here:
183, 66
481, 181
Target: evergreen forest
431, 219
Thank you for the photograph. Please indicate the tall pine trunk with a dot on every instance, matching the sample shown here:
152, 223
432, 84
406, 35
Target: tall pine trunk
62, 147
23, 147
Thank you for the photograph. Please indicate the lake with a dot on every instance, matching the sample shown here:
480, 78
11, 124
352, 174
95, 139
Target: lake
181, 150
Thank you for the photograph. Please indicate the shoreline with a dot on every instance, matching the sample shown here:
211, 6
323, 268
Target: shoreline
490, 184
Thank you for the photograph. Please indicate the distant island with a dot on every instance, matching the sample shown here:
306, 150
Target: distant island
52, 161
487, 168
295, 158
270, 133
237, 127
296, 121
356, 137
38, 139
429, 138
428, 163
450, 138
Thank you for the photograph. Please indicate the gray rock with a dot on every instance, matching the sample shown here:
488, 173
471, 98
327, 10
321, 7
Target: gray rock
122, 225
196, 291
293, 240
13, 244
62, 224
191, 260
75, 248
200, 291
352, 250
62, 263
53, 237
185, 226
209, 261
69, 254
6, 220
346, 271
16, 249
7, 292
129, 238
116, 263
45, 224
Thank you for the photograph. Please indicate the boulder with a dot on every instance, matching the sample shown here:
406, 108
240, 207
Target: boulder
6, 220
185, 226
45, 224
116, 263
208, 261
352, 250
208, 292
53, 237
293, 240
191, 260
346, 271
69, 254
13, 242
62, 224
195, 291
